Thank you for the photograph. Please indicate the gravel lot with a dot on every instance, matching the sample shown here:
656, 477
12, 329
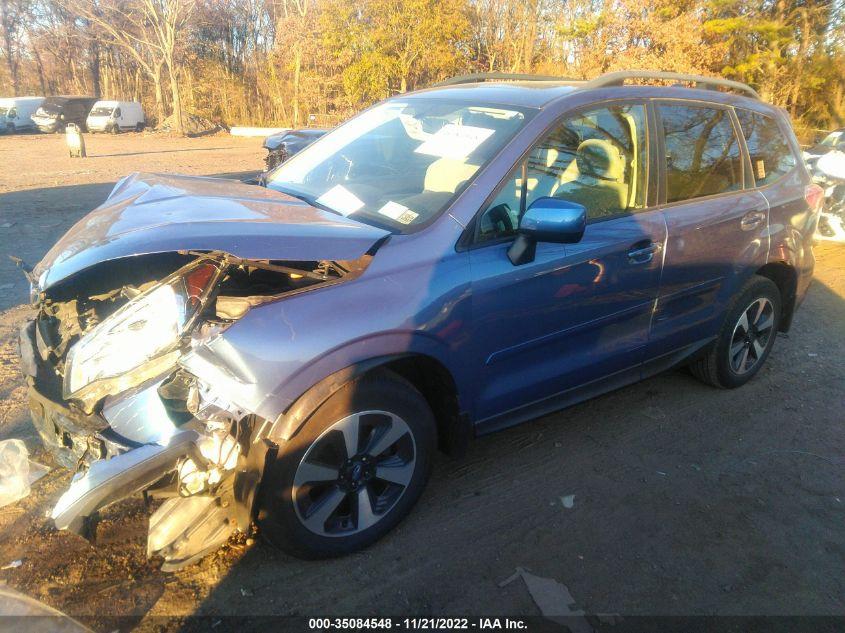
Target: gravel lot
687, 499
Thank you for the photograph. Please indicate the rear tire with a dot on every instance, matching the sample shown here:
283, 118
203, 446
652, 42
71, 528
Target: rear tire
352, 500
745, 339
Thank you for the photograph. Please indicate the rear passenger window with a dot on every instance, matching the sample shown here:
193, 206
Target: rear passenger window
702, 152
771, 155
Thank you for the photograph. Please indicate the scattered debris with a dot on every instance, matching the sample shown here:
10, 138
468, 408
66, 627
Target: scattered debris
812, 355
7, 225
553, 599
37, 471
13, 565
246, 592
568, 501
14, 471
558, 444
660, 472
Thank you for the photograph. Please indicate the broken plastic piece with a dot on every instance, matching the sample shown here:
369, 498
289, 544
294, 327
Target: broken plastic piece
553, 599
184, 529
14, 471
113, 479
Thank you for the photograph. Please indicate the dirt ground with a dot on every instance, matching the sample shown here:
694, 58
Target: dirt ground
687, 500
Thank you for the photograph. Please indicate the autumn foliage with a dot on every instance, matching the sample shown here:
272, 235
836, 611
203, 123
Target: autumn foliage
288, 62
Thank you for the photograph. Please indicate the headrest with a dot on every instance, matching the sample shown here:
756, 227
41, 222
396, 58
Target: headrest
600, 159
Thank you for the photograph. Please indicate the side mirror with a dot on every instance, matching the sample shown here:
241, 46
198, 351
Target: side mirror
547, 220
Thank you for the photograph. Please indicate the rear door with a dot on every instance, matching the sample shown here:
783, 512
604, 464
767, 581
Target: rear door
578, 313
717, 224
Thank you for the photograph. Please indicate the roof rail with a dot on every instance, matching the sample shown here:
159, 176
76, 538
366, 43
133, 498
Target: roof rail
706, 83
480, 77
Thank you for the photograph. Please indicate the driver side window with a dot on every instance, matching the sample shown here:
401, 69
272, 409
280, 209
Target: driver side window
597, 158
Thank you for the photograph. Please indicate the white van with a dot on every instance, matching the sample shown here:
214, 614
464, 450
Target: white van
115, 116
16, 113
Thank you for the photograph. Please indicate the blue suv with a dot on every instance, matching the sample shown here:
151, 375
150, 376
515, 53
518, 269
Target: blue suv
448, 263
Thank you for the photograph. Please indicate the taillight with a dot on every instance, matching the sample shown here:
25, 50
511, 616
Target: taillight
197, 280
814, 195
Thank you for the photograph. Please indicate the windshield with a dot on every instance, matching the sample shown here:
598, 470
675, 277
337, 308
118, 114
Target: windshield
399, 164
830, 139
102, 111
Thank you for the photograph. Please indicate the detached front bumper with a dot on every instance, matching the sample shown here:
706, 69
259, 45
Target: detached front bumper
209, 487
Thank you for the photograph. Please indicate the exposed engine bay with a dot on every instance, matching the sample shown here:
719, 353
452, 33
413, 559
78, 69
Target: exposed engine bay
113, 402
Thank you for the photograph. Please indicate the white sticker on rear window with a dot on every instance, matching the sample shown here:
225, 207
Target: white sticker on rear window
455, 141
398, 212
340, 199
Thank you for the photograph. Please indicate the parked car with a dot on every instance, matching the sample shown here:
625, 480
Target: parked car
283, 145
16, 113
448, 263
56, 112
115, 117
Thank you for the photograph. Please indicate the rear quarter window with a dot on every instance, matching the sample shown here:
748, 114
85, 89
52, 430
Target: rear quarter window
769, 150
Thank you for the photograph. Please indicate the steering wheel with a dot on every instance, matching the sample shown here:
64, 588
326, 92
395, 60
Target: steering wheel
501, 214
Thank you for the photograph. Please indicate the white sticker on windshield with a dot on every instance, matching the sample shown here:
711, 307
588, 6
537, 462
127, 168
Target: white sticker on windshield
454, 141
340, 199
398, 212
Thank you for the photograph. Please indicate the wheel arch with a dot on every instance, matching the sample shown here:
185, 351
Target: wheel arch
426, 373
785, 277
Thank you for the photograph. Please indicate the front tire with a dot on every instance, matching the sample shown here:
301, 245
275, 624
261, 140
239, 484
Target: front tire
352, 472
745, 339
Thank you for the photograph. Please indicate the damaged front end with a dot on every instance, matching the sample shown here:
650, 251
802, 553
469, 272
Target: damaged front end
111, 399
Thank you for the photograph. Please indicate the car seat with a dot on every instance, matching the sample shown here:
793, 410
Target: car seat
600, 184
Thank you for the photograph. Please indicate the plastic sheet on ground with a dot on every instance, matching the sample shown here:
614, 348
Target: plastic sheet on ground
14, 471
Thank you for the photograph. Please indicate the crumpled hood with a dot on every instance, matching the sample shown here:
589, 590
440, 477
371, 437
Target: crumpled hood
152, 213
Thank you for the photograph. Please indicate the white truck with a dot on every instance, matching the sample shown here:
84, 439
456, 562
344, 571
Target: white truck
115, 116
16, 113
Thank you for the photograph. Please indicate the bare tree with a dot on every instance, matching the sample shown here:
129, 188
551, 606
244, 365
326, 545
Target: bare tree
149, 30
11, 23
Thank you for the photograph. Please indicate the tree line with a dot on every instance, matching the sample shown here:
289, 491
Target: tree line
295, 62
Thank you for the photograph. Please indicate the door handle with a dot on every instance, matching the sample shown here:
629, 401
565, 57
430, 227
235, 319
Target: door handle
643, 254
752, 220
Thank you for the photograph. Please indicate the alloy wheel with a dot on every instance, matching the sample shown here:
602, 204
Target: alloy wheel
354, 473
751, 335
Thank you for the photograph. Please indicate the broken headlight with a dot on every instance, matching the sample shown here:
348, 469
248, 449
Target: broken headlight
145, 329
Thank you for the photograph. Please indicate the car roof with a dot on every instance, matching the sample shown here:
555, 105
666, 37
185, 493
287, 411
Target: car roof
543, 92
530, 94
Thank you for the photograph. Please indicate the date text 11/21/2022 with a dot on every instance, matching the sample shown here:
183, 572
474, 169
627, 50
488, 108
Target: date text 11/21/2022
437, 624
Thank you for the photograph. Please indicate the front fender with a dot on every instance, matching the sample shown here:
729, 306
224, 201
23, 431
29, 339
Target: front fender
275, 353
